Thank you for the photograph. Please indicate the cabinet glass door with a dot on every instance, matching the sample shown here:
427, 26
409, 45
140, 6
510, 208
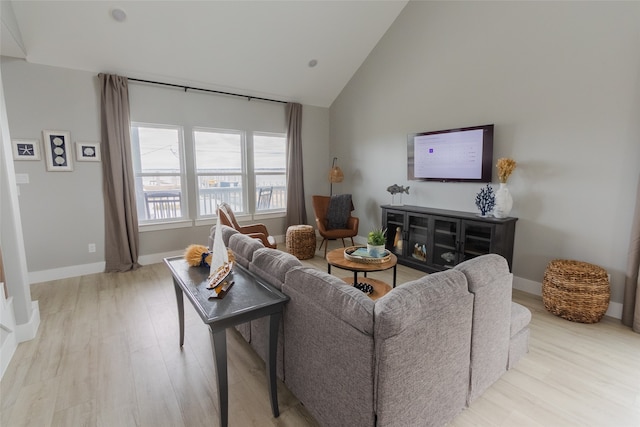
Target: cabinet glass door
395, 229
476, 239
418, 238
445, 242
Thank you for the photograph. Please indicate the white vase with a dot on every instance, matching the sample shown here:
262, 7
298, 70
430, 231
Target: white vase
504, 202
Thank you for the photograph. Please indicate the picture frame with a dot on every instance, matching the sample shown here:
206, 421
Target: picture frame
57, 150
26, 149
88, 151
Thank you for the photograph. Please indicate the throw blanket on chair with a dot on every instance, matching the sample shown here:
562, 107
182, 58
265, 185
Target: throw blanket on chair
339, 211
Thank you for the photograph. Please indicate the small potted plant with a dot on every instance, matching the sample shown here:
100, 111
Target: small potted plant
376, 241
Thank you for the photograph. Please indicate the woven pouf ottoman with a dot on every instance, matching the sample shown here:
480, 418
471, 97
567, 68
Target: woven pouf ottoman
575, 290
301, 241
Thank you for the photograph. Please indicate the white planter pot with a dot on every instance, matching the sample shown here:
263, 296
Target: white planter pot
376, 250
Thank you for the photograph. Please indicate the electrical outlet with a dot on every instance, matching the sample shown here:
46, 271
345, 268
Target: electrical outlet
92, 247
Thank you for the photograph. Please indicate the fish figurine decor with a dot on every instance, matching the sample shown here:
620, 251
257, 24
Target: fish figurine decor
396, 193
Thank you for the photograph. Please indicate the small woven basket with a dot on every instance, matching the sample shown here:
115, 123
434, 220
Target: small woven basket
576, 291
301, 241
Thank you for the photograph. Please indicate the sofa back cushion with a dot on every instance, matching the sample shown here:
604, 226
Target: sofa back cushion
490, 281
243, 248
272, 265
422, 350
328, 353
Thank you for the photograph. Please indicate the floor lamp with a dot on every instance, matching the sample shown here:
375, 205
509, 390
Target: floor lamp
335, 175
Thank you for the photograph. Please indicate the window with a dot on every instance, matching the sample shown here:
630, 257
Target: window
247, 171
219, 169
270, 171
223, 171
159, 172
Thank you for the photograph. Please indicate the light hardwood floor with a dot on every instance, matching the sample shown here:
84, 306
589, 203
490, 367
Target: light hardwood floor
107, 354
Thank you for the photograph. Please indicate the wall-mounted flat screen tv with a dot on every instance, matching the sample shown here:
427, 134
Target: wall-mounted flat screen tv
452, 155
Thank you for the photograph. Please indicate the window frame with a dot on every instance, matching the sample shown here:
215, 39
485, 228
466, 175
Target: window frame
255, 174
153, 224
243, 172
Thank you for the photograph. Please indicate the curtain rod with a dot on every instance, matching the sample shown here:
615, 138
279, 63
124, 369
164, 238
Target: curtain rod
249, 98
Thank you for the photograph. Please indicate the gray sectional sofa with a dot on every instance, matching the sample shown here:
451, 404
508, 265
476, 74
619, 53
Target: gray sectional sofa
415, 357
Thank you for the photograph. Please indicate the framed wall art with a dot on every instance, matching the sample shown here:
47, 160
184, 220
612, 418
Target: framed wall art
88, 151
57, 150
26, 149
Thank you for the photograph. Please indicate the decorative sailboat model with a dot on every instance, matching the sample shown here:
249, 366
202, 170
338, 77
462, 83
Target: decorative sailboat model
221, 270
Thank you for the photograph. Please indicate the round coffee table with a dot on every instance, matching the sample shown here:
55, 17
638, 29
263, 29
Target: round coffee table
336, 258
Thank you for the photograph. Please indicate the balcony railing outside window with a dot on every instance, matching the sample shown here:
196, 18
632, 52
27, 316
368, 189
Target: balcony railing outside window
167, 204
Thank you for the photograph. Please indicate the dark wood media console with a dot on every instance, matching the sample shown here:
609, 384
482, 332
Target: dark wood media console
437, 239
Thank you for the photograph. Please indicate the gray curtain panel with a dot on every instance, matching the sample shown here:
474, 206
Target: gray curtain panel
296, 211
120, 215
631, 304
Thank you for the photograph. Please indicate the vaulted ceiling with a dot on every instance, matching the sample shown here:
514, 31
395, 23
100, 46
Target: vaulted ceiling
259, 48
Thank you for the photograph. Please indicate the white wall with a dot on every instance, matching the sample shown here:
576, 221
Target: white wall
560, 81
63, 212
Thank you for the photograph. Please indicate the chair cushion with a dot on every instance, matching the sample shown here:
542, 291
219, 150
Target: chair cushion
339, 211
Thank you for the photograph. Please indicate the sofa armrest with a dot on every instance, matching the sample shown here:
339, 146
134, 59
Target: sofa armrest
490, 281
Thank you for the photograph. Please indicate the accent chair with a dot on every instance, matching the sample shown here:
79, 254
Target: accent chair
327, 227
256, 231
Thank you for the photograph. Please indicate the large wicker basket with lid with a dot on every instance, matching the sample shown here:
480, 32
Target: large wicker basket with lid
576, 291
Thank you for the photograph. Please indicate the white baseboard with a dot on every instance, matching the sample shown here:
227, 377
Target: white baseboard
528, 286
156, 258
8, 341
65, 272
84, 269
14, 334
535, 288
27, 331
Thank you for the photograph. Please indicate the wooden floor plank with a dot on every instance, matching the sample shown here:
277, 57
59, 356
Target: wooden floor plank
107, 354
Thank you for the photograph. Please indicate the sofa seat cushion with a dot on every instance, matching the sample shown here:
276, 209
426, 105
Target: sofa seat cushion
272, 265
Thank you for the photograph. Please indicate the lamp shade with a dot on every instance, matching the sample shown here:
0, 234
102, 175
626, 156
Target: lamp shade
335, 174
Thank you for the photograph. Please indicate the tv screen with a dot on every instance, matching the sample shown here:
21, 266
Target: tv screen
452, 155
